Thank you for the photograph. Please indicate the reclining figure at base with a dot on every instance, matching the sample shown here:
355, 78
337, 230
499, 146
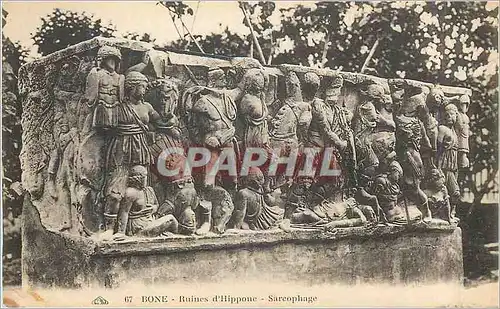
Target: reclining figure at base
323, 212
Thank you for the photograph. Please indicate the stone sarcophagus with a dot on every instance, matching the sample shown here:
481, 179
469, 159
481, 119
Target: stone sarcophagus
148, 165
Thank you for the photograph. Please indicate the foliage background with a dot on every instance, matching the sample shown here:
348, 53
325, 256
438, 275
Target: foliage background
450, 43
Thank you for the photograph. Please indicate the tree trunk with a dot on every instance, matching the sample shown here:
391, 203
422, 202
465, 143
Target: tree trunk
485, 189
255, 40
325, 50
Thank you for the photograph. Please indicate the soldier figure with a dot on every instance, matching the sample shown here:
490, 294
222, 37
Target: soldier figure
364, 123
447, 153
410, 137
329, 128
462, 130
427, 113
291, 121
386, 185
210, 114
105, 88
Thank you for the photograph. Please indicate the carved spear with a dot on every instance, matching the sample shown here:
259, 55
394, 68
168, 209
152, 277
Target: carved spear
406, 210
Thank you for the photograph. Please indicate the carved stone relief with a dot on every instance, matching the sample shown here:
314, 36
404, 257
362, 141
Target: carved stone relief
108, 112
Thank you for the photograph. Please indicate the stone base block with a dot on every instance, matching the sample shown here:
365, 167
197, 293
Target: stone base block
389, 254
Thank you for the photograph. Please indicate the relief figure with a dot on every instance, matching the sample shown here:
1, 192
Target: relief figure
61, 173
437, 193
136, 214
254, 208
104, 90
128, 145
291, 120
463, 131
447, 154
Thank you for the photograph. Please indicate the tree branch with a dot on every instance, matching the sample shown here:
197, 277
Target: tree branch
195, 14
270, 59
485, 187
256, 41
175, 25
370, 55
191, 35
325, 49
185, 28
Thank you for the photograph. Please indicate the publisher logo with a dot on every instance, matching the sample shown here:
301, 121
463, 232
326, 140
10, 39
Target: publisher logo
99, 300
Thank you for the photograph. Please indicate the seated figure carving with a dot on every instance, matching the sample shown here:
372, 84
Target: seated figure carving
387, 189
254, 209
136, 215
439, 200
181, 199
386, 186
126, 146
297, 198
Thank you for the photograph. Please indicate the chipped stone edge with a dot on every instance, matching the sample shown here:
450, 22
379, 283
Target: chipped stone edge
247, 239
351, 77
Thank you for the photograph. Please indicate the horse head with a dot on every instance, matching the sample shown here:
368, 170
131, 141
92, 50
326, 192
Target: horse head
164, 96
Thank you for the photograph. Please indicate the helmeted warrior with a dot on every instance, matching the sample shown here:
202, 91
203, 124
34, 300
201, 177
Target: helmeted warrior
329, 128
292, 119
290, 122
105, 88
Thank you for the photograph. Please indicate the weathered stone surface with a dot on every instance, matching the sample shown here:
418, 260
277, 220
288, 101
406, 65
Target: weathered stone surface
51, 258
